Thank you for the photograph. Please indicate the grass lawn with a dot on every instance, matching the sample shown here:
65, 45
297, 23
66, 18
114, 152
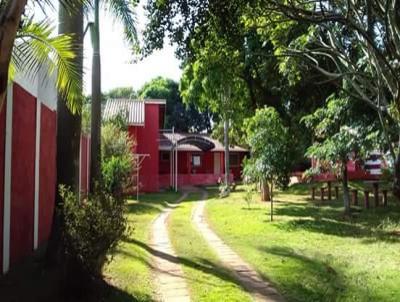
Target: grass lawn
206, 278
310, 252
130, 271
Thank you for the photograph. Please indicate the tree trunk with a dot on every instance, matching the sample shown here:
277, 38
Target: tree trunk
10, 19
396, 180
226, 143
265, 194
272, 201
95, 150
68, 134
346, 195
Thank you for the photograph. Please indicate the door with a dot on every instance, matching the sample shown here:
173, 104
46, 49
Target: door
217, 163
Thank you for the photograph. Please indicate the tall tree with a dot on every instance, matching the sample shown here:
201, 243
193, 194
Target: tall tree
122, 10
183, 117
341, 133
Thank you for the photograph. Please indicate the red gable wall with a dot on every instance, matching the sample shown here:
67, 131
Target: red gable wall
147, 143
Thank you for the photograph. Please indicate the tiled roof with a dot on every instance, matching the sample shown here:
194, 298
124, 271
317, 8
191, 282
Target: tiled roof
167, 138
132, 109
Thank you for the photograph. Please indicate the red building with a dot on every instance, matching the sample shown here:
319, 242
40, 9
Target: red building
168, 158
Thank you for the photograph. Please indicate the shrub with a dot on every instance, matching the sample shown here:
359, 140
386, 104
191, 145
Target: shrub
117, 158
93, 228
117, 174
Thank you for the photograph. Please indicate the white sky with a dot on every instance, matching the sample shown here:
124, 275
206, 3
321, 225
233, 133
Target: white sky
115, 56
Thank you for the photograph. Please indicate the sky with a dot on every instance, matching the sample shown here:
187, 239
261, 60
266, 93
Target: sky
117, 71
115, 58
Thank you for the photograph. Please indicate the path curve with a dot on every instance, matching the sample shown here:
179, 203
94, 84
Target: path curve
170, 280
251, 281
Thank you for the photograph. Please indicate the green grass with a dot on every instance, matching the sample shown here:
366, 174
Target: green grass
311, 252
207, 279
130, 271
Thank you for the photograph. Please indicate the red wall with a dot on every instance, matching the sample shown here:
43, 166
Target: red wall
2, 146
147, 143
47, 172
23, 174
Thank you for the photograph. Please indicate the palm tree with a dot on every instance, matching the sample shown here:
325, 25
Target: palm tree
122, 10
26, 45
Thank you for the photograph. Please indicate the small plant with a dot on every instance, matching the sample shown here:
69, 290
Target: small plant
248, 197
224, 190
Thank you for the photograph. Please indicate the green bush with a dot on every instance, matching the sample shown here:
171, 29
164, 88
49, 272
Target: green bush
117, 174
118, 160
93, 228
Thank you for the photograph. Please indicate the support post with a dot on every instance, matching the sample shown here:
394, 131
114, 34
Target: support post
376, 194
366, 199
322, 193
337, 192
313, 193
384, 198
329, 190
354, 196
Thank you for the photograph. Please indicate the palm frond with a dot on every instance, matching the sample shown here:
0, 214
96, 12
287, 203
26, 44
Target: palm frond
123, 11
36, 48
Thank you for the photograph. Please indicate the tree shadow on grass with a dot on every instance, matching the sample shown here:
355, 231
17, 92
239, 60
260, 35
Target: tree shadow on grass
204, 265
312, 279
329, 220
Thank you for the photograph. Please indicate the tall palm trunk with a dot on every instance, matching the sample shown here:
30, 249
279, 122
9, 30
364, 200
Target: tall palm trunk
10, 17
68, 132
95, 151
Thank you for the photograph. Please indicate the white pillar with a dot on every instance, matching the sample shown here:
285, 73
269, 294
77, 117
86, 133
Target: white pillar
37, 177
7, 180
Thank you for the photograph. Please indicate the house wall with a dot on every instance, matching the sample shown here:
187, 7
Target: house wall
203, 175
147, 142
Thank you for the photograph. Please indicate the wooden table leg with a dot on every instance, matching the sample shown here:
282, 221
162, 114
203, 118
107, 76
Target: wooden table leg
329, 190
384, 198
313, 193
376, 194
354, 196
336, 192
322, 193
366, 199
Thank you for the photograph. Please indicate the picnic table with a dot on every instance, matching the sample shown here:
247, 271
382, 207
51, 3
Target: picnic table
375, 189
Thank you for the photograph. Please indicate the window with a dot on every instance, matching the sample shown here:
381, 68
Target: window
196, 160
165, 156
234, 160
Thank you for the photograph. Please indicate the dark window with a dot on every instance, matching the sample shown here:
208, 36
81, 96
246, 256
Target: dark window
196, 160
165, 156
234, 160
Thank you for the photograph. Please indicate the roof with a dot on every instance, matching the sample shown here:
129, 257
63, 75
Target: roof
131, 108
193, 142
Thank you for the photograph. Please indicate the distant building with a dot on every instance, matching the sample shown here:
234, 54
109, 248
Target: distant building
171, 158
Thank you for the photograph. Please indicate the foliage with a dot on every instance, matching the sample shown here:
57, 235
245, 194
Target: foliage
120, 92
39, 53
117, 157
93, 228
339, 132
270, 144
183, 117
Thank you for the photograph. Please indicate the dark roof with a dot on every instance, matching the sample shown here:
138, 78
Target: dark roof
193, 142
